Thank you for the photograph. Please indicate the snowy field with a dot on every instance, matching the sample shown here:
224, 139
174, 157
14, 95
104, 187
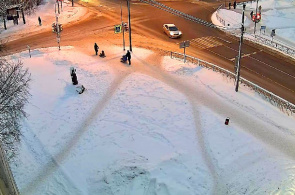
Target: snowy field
155, 127
147, 129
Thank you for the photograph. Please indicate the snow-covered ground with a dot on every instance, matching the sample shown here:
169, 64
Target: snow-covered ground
46, 11
275, 14
155, 127
148, 128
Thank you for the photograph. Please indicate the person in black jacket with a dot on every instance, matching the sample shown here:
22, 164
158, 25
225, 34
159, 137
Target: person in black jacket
96, 48
128, 55
40, 22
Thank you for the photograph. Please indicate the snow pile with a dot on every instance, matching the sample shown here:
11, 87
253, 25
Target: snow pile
141, 130
232, 19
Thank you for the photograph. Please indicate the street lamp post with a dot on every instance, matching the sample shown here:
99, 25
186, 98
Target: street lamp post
240, 51
130, 42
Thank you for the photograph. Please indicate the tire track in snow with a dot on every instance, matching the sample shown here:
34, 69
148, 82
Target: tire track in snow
258, 127
156, 72
53, 164
41, 155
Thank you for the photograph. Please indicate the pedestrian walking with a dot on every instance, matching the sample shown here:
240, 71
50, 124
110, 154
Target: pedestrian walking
128, 55
40, 22
229, 5
96, 48
235, 5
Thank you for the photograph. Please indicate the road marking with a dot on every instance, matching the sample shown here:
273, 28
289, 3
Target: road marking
206, 42
224, 40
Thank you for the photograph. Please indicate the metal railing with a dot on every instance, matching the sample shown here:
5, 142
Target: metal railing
280, 46
264, 41
281, 103
8, 176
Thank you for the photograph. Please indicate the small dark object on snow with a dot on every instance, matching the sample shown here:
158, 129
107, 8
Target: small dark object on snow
81, 89
102, 54
226, 121
74, 76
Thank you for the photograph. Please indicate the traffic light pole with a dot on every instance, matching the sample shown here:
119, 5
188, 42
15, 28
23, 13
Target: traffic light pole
240, 51
123, 28
130, 42
256, 16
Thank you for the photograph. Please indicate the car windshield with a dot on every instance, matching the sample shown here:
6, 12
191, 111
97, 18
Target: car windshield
173, 28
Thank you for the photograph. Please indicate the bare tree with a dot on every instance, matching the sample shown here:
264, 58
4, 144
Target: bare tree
14, 93
27, 5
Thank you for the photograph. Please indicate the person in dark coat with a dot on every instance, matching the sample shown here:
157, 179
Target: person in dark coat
251, 14
96, 48
235, 5
40, 22
128, 55
229, 4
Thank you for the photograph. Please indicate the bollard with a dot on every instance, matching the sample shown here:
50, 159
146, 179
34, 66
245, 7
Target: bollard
226, 121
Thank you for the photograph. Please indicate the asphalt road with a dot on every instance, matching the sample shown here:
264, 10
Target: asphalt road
260, 65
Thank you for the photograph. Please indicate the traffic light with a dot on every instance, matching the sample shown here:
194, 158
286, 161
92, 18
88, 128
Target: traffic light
256, 18
55, 29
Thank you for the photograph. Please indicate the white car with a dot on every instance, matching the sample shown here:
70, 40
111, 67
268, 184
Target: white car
172, 31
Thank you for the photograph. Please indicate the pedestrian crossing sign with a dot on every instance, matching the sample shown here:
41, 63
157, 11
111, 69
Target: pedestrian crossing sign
118, 28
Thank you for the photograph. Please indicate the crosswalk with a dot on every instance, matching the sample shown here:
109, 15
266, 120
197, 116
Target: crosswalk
206, 42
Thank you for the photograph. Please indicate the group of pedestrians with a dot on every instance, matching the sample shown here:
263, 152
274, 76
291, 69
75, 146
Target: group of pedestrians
234, 5
102, 54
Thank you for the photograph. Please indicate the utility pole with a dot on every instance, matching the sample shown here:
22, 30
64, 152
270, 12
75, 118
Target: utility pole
240, 51
256, 16
57, 1
128, 5
24, 20
57, 27
123, 28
